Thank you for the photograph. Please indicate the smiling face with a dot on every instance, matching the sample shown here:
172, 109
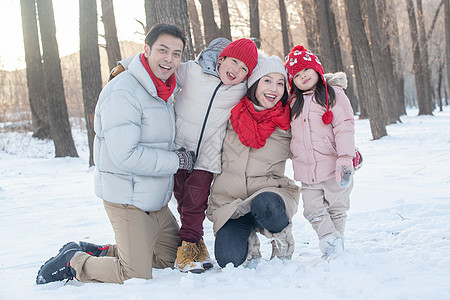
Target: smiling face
306, 79
164, 56
232, 70
270, 89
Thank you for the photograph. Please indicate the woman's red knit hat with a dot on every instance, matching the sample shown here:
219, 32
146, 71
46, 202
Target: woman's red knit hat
299, 59
245, 50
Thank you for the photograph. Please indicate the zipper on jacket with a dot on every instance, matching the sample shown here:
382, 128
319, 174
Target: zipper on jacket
169, 107
206, 118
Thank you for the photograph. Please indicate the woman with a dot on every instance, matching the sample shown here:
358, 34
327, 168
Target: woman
252, 194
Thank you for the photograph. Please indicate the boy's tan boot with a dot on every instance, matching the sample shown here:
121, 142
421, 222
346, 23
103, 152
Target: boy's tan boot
186, 255
203, 255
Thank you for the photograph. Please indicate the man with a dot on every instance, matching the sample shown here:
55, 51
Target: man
135, 162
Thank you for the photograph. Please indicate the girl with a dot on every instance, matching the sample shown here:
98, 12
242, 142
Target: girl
252, 194
322, 145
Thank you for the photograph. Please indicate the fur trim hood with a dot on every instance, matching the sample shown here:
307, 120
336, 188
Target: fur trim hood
207, 59
336, 79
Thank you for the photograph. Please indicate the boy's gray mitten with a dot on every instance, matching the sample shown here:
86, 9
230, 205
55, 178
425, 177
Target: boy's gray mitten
187, 159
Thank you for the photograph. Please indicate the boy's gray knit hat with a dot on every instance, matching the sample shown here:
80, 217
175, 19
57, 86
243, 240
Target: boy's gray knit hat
266, 65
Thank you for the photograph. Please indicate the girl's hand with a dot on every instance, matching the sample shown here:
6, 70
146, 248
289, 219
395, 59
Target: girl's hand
344, 169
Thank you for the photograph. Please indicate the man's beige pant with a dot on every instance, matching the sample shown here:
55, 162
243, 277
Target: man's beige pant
325, 206
143, 241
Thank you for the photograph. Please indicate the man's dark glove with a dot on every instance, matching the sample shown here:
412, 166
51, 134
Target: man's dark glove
187, 159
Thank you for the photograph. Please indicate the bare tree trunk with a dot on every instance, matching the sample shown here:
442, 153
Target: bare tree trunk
255, 34
328, 37
334, 39
35, 79
91, 80
112, 42
56, 104
439, 87
209, 23
363, 114
384, 79
421, 92
368, 92
225, 24
387, 56
392, 34
447, 41
151, 18
337, 28
308, 13
435, 18
423, 45
429, 34
287, 45
196, 27
326, 53
176, 12
351, 89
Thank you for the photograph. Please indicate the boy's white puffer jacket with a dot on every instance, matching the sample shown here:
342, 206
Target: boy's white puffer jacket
199, 81
200, 84
191, 106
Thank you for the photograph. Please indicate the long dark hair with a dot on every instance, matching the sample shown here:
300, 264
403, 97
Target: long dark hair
251, 94
320, 96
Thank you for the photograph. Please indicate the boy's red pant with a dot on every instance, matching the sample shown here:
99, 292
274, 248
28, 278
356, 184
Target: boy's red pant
192, 191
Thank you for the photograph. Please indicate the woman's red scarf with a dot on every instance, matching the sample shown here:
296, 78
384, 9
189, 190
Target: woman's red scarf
254, 127
164, 89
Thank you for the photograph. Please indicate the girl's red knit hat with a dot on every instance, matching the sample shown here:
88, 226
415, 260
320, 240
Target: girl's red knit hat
245, 50
299, 59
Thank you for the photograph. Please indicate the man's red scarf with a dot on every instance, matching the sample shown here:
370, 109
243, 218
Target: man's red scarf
164, 89
254, 127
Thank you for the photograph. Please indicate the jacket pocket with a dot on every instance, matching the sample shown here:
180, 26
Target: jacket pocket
330, 146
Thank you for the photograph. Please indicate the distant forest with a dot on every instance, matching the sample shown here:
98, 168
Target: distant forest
395, 54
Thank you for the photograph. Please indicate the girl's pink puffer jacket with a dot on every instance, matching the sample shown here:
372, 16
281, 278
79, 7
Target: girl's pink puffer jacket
316, 146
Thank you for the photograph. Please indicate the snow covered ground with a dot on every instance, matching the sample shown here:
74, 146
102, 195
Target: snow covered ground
397, 236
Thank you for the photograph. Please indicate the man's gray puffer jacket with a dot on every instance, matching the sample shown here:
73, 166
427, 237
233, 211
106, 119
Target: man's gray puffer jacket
135, 131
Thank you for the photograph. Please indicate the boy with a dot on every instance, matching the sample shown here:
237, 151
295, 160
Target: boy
211, 86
